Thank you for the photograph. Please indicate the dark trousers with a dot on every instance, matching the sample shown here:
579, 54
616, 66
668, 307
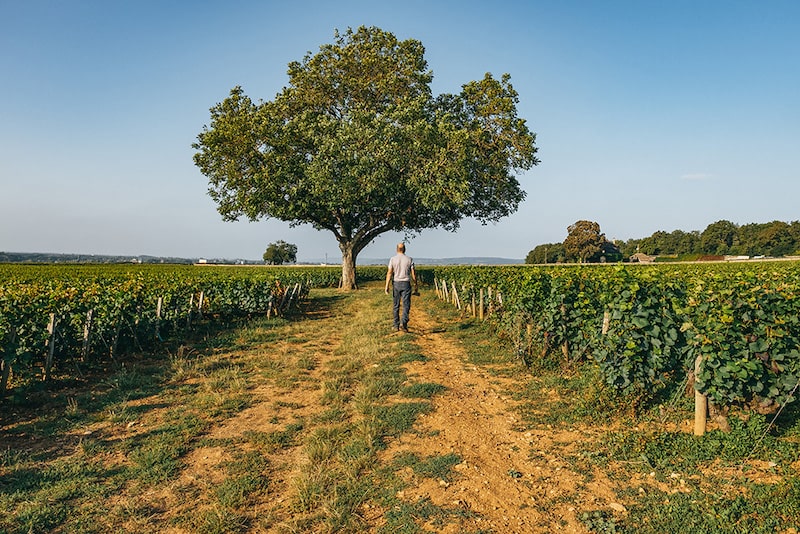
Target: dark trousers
401, 294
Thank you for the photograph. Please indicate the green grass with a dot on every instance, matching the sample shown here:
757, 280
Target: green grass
270, 442
247, 479
436, 466
424, 390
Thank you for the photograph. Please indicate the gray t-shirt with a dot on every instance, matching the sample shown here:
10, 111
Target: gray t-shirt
401, 267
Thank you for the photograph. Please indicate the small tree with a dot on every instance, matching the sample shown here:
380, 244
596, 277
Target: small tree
280, 252
357, 144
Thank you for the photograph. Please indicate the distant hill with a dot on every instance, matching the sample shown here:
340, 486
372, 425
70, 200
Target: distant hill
51, 257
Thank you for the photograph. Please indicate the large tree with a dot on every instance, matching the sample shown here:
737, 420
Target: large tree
583, 241
357, 144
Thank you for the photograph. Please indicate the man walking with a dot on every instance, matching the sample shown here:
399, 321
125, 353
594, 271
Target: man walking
401, 273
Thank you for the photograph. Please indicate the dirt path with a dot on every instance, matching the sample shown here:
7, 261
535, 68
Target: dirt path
509, 480
513, 480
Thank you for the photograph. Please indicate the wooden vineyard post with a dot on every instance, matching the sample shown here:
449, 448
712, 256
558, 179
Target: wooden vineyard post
480, 305
115, 341
606, 321
200, 305
159, 305
5, 373
456, 300
529, 338
191, 308
436, 285
474, 311
489, 300
287, 301
294, 293
700, 404
87, 335
51, 345
445, 296
5, 364
283, 299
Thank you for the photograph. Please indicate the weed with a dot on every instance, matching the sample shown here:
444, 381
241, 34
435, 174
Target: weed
600, 521
10, 457
220, 521
403, 516
436, 466
763, 509
272, 441
324, 442
310, 486
681, 451
40, 516
422, 391
307, 362
336, 390
72, 407
333, 415
408, 357
395, 419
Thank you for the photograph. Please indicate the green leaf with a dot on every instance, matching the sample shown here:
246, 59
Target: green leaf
760, 345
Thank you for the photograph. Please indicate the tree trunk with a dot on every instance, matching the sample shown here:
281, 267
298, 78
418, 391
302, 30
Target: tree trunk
348, 266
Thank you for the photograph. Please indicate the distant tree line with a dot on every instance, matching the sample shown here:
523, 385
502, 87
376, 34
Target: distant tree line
585, 243
52, 257
722, 238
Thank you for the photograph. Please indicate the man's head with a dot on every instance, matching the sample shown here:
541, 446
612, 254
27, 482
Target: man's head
401, 247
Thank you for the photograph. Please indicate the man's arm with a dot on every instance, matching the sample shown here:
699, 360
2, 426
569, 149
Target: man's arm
389, 274
414, 277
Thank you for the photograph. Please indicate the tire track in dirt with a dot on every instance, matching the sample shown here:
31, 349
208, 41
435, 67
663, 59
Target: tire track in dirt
512, 481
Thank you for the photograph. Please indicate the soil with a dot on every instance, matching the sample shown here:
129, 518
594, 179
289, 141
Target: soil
507, 476
509, 481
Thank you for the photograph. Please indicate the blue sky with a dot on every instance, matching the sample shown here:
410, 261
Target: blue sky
650, 115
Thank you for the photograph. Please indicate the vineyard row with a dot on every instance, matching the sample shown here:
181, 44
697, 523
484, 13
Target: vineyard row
734, 330
62, 315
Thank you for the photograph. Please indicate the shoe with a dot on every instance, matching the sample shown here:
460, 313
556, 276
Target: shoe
404, 329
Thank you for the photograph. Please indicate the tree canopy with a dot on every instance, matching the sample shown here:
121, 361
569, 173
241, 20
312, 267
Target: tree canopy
583, 241
356, 144
280, 252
